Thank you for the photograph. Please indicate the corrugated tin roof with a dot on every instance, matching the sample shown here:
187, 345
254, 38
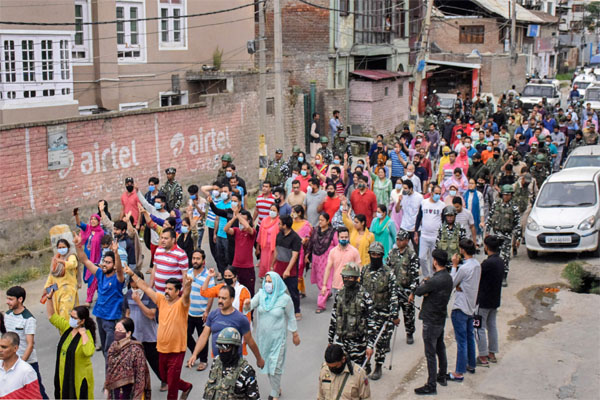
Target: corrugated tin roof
500, 7
454, 64
379, 74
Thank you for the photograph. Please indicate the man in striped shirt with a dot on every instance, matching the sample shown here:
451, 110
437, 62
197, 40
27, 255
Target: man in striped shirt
199, 306
263, 203
169, 261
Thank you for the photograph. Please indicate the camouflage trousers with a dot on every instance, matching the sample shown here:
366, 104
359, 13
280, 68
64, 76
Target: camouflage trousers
383, 345
408, 311
505, 248
355, 348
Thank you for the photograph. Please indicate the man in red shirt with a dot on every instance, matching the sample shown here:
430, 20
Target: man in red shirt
363, 200
263, 203
304, 177
129, 201
332, 202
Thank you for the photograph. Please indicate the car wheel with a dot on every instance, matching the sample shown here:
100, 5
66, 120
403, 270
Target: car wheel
532, 254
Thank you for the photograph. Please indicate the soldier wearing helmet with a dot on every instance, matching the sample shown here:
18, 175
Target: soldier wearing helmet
380, 282
325, 151
539, 171
278, 170
226, 161
403, 260
526, 190
450, 234
352, 317
504, 221
341, 147
231, 377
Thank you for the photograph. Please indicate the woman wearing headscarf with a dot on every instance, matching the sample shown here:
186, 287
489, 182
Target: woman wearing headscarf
303, 228
73, 372
91, 237
63, 274
269, 228
127, 375
463, 160
445, 159
474, 203
322, 240
384, 229
275, 316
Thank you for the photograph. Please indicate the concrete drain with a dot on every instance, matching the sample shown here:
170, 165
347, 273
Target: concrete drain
538, 301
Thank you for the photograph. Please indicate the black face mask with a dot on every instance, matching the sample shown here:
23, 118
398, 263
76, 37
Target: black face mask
416, 164
330, 194
129, 188
228, 281
229, 358
334, 177
337, 370
350, 284
277, 201
496, 156
376, 262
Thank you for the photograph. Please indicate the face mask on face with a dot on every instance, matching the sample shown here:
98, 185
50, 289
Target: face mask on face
405, 192
277, 201
471, 122
337, 370
303, 173
447, 120
318, 161
62, 251
158, 205
300, 159
398, 186
273, 214
376, 262
73, 322
489, 148
269, 287
436, 197
343, 242
151, 188
129, 188
234, 204
446, 153
379, 214
330, 194
496, 156
334, 177
458, 136
228, 174
452, 193
228, 281
120, 335
215, 194
224, 196
409, 173
350, 284
337, 162
184, 229
228, 358
467, 145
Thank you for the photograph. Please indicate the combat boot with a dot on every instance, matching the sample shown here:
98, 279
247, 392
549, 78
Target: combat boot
504, 282
376, 375
409, 338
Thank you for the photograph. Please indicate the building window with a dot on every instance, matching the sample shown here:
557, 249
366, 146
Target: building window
577, 8
270, 106
344, 7
35, 65
471, 34
173, 98
171, 25
81, 49
10, 67
133, 106
28, 60
130, 32
47, 61
385, 91
378, 21
400, 89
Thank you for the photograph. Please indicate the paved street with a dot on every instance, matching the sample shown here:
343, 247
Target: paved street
522, 366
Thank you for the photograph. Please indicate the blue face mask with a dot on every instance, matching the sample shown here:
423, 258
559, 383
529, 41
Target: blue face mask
184, 229
436, 197
151, 188
215, 194
344, 242
300, 159
193, 197
62, 251
398, 186
73, 322
489, 148
158, 205
269, 287
224, 196
303, 173
228, 174
336, 161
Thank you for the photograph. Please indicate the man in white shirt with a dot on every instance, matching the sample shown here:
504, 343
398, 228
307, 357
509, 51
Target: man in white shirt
18, 380
428, 225
410, 204
464, 218
410, 175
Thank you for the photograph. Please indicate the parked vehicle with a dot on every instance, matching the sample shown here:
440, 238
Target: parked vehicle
584, 156
566, 214
582, 82
592, 96
537, 89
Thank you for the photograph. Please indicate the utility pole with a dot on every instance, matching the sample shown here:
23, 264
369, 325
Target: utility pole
278, 64
420, 64
513, 37
262, 91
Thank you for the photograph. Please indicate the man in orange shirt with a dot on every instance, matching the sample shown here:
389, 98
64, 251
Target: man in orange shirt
171, 340
331, 204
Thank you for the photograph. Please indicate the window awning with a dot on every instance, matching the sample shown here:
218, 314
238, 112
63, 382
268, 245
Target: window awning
454, 64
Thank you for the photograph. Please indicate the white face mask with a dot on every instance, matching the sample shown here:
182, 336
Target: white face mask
379, 215
409, 173
273, 214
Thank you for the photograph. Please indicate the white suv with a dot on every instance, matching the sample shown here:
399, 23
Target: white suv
566, 214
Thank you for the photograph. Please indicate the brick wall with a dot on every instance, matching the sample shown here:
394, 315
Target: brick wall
375, 111
106, 149
445, 34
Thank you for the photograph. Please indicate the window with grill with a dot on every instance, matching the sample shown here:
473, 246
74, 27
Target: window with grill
130, 32
471, 34
81, 46
28, 60
171, 25
379, 21
10, 65
47, 61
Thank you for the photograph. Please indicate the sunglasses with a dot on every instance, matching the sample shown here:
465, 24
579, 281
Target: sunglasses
224, 347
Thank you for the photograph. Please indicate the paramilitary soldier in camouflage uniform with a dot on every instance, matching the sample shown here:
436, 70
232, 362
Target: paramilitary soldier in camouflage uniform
293, 161
172, 190
505, 221
405, 264
578, 141
530, 157
450, 234
526, 190
341, 147
230, 377
325, 151
277, 171
494, 164
540, 171
225, 162
380, 282
352, 317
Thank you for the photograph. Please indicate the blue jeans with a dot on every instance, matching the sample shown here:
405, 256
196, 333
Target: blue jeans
106, 331
465, 341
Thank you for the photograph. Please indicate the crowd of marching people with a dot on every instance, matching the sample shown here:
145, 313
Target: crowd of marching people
371, 233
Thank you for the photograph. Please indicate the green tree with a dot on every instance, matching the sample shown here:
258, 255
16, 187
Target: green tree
592, 15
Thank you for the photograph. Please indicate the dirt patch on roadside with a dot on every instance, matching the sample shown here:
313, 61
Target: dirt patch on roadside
538, 301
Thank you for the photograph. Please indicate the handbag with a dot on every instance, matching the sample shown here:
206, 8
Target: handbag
477, 319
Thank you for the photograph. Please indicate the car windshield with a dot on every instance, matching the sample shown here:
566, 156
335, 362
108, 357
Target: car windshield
567, 194
447, 103
592, 95
583, 161
583, 85
538, 91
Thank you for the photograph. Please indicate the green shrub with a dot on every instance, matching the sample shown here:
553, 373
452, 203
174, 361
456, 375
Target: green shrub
574, 273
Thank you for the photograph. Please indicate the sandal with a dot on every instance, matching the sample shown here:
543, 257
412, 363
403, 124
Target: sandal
319, 310
201, 366
453, 378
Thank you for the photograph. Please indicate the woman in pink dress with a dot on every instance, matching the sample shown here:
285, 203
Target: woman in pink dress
322, 240
303, 228
269, 228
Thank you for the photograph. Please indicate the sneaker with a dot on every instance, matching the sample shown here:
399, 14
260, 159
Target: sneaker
426, 389
442, 379
504, 282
